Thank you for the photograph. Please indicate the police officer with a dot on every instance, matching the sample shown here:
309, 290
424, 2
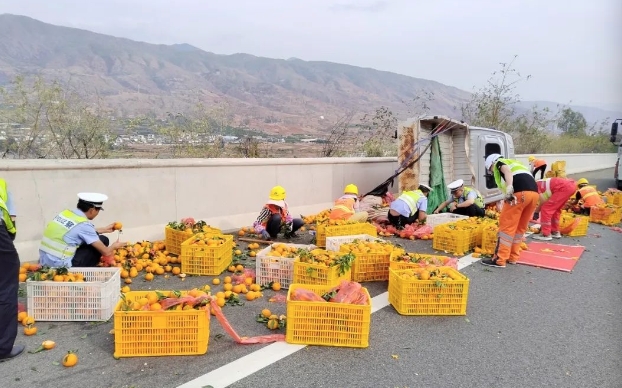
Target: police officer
71, 240
9, 278
409, 207
465, 201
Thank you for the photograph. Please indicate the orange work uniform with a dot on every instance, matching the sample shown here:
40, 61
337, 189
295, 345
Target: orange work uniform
514, 218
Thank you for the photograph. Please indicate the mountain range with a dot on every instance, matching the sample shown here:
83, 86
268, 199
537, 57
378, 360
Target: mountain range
277, 96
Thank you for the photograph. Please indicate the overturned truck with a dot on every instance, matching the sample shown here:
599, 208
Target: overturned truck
437, 150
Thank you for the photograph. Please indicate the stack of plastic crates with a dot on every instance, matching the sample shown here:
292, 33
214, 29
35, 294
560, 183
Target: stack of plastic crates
368, 266
606, 214
559, 168
92, 299
159, 333
270, 268
327, 323
324, 230
203, 259
412, 296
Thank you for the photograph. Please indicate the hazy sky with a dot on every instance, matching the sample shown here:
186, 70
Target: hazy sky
571, 48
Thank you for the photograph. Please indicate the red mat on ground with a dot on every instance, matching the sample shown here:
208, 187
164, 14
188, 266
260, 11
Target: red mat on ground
551, 256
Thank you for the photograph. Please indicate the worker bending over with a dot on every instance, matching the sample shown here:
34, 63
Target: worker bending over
347, 206
554, 193
536, 165
588, 194
409, 207
521, 199
275, 218
462, 200
71, 240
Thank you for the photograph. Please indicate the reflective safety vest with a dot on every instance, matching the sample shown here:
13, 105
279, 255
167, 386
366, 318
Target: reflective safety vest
515, 166
53, 241
343, 208
411, 198
479, 201
590, 196
538, 163
6, 217
544, 188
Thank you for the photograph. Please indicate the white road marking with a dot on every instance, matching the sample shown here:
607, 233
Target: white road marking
268, 355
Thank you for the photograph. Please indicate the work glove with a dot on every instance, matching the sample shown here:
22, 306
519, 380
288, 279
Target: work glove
265, 235
509, 191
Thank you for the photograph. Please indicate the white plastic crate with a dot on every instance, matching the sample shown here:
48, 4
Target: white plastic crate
442, 218
92, 300
334, 243
276, 269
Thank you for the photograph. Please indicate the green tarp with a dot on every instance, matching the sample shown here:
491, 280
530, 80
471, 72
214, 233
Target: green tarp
437, 179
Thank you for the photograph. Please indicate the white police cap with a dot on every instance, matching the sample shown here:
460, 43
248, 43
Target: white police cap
95, 199
455, 185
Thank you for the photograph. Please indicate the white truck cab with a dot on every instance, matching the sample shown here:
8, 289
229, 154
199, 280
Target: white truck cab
464, 149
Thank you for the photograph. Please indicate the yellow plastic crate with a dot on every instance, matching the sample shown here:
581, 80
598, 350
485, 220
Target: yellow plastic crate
608, 215
489, 240
173, 237
368, 267
327, 323
559, 165
204, 260
458, 241
428, 297
419, 259
579, 230
318, 274
614, 198
159, 333
324, 230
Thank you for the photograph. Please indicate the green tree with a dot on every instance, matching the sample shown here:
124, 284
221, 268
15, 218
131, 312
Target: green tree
572, 123
495, 106
52, 121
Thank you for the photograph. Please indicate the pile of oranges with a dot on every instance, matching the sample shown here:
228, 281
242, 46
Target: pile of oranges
318, 218
28, 322
158, 300
359, 247
151, 258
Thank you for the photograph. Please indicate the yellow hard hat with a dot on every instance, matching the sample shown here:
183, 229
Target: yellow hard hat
351, 189
277, 193
582, 181
532, 158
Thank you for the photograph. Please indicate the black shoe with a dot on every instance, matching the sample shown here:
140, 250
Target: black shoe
290, 235
492, 263
16, 351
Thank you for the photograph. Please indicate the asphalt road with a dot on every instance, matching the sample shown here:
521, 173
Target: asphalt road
525, 327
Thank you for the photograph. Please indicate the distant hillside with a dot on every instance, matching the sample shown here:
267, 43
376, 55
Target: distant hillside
275, 95
592, 115
134, 77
